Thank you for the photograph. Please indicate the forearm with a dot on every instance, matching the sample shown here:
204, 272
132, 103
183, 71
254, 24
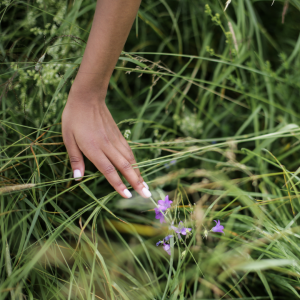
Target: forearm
111, 25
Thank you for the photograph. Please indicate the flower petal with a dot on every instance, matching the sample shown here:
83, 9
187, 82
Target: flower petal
161, 202
167, 248
180, 225
168, 237
183, 231
162, 219
174, 228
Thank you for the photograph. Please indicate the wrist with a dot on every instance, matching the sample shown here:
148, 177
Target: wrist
89, 95
83, 85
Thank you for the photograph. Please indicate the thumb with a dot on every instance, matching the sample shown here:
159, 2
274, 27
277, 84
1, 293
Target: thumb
75, 155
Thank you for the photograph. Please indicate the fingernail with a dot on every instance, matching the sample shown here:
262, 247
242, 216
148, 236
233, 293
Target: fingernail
146, 192
127, 193
77, 174
145, 185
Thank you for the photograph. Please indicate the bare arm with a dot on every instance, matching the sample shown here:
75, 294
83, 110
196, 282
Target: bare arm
112, 23
87, 124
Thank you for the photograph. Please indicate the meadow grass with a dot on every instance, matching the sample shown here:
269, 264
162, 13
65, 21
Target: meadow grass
208, 101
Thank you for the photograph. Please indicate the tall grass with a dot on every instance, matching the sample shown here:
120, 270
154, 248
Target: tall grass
216, 91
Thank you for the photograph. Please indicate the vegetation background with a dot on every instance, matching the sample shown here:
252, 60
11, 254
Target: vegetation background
208, 100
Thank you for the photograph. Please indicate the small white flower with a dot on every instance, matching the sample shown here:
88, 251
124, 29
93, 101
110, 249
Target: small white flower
127, 133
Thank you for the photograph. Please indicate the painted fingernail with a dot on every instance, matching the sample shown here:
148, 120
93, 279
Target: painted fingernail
145, 185
77, 174
127, 193
146, 192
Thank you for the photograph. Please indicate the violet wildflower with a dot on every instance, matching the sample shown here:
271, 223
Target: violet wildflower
158, 243
166, 247
163, 205
172, 162
159, 215
168, 237
180, 229
218, 227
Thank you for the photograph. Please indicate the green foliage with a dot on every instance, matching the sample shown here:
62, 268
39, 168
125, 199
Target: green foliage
217, 91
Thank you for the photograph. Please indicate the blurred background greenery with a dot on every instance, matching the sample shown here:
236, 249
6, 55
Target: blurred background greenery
215, 90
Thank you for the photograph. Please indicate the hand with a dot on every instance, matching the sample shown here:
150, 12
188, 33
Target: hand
89, 128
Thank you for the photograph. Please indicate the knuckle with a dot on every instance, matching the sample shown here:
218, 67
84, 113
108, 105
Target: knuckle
126, 166
109, 169
75, 159
119, 183
138, 182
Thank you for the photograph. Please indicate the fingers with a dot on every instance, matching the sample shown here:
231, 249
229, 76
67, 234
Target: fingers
122, 145
126, 150
103, 164
124, 166
75, 155
129, 155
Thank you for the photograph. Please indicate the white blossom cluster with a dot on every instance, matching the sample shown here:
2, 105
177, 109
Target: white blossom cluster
39, 82
189, 123
127, 134
35, 86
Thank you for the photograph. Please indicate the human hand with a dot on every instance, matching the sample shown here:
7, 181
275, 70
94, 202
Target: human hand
89, 128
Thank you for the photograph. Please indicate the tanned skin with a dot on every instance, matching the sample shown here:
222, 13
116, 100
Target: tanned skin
87, 125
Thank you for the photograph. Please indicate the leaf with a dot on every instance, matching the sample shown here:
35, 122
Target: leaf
91, 194
227, 3
263, 264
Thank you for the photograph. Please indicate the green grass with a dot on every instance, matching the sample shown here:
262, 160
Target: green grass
225, 106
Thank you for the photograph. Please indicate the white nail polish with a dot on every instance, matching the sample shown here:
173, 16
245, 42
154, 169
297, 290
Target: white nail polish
127, 193
146, 192
145, 185
77, 174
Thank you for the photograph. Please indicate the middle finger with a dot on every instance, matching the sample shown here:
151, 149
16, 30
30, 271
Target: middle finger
124, 166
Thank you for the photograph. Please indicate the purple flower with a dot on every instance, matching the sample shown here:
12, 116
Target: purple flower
218, 227
180, 229
166, 247
168, 237
159, 215
163, 205
158, 243
172, 162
